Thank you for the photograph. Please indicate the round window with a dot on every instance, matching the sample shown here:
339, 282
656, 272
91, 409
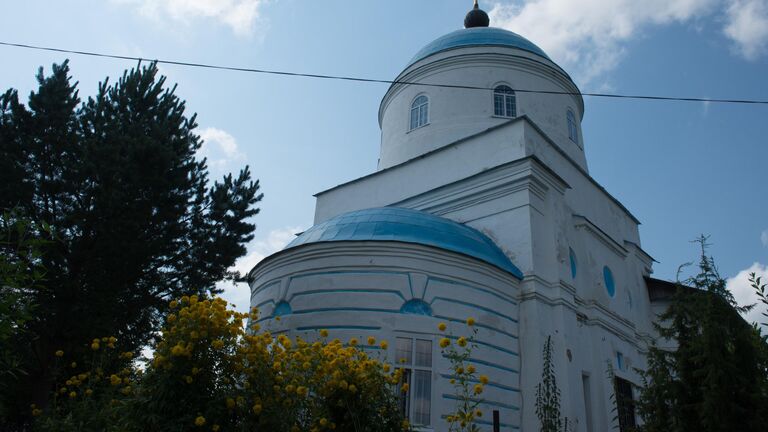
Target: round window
610, 285
572, 256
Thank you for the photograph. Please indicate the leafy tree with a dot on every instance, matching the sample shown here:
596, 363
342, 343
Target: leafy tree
136, 218
760, 289
715, 379
20, 272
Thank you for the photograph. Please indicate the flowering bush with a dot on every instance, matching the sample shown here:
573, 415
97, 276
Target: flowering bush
468, 386
90, 392
211, 373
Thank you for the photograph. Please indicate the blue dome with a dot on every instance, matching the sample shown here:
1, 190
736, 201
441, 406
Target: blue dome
410, 226
478, 36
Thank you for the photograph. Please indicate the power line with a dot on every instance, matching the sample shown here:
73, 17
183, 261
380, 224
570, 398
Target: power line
380, 81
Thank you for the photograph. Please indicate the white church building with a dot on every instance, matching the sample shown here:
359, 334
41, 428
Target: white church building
482, 206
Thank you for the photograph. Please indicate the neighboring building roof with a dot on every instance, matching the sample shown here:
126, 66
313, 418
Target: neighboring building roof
478, 36
409, 226
661, 290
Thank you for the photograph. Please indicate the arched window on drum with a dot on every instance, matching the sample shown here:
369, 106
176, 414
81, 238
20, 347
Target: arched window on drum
504, 102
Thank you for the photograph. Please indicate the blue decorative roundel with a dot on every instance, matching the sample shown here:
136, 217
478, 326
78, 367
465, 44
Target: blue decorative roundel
610, 285
416, 307
572, 257
282, 308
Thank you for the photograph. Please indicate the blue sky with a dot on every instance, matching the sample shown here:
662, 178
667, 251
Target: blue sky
682, 168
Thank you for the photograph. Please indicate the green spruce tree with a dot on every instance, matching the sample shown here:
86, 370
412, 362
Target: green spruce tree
136, 219
715, 379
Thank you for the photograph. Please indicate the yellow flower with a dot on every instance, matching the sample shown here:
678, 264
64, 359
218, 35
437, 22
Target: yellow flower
352, 388
88, 392
72, 395
173, 304
302, 391
462, 342
324, 333
215, 428
73, 365
115, 380
470, 369
230, 403
59, 353
188, 379
323, 422
478, 413
371, 340
199, 421
470, 321
442, 326
95, 346
384, 345
459, 370
484, 379
444, 342
353, 342
404, 388
36, 412
256, 409
477, 389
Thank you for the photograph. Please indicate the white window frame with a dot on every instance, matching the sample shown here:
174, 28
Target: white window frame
573, 128
419, 107
410, 370
504, 101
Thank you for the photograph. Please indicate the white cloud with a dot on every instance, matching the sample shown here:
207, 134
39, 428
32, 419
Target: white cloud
220, 148
745, 294
764, 238
240, 294
239, 15
747, 26
589, 37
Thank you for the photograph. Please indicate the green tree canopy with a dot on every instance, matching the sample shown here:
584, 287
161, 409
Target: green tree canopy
135, 217
716, 378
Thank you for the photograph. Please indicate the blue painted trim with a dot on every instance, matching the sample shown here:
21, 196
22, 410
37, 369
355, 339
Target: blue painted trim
410, 286
266, 286
481, 325
485, 422
483, 402
476, 288
489, 364
342, 272
416, 307
490, 383
345, 309
507, 425
337, 327
258, 306
490, 345
350, 290
472, 305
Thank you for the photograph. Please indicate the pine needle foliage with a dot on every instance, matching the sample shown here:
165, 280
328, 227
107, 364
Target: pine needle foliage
137, 221
715, 378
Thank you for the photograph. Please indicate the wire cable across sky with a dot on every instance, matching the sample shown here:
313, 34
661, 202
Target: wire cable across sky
380, 81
